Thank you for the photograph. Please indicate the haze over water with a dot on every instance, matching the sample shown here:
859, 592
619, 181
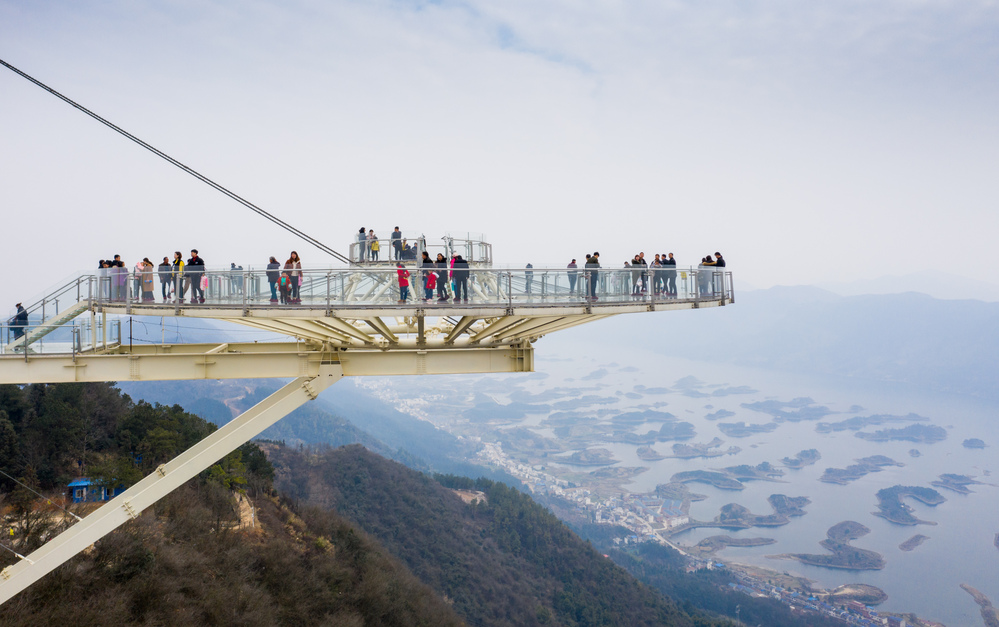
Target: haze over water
924, 581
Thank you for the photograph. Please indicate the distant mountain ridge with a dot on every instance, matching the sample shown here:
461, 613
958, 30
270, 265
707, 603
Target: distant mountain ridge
930, 281
342, 415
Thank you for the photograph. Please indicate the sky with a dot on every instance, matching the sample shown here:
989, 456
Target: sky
810, 142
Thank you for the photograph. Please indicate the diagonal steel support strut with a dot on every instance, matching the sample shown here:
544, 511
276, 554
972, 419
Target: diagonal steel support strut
163, 480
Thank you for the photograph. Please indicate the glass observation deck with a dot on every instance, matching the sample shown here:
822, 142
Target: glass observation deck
383, 251
55, 323
365, 287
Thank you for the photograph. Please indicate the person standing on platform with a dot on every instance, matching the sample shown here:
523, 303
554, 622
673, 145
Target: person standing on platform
442, 278
179, 280
593, 274
429, 285
284, 285
669, 264
657, 275
119, 279
294, 269
273, 276
362, 245
397, 243
148, 281
373, 245
403, 274
195, 270
137, 279
644, 265
528, 278
165, 272
460, 273
572, 277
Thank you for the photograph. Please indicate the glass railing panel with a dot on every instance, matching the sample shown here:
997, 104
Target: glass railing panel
378, 285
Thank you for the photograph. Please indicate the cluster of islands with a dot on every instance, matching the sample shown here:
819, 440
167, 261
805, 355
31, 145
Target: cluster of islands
561, 437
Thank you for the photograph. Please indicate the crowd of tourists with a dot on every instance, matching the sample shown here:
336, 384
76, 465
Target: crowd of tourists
178, 277
442, 279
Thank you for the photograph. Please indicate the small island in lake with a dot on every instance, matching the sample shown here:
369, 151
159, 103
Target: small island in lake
695, 449
717, 479
591, 457
678, 492
893, 509
957, 483
795, 410
763, 471
844, 555
721, 413
859, 592
990, 615
649, 454
859, 422
788, 505
742, 430
736, 516
926, 434
713, 544
802, 459
973, 443
864, 466
913, 542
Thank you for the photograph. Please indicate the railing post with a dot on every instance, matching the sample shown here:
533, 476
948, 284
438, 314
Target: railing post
128, 293
329, 280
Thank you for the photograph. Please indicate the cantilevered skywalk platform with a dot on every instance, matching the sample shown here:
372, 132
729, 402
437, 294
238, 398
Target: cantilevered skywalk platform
345, 322
353, 317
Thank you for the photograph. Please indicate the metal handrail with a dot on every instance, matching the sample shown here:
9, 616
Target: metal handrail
377, 286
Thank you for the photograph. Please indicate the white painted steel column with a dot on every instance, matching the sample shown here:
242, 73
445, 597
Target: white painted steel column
165, 479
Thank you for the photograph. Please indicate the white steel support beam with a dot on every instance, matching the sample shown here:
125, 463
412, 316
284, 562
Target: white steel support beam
459, 328
164, 480
213, 362
513, 358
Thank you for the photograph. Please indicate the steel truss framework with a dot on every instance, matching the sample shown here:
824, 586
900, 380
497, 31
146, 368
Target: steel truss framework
328, 345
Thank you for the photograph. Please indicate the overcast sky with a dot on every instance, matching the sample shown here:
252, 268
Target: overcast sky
809, 142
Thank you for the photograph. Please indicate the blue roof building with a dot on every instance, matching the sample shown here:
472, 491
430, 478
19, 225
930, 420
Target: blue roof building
83, 490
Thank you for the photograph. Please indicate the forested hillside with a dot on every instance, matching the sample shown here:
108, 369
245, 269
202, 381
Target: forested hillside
190, 560
502, 561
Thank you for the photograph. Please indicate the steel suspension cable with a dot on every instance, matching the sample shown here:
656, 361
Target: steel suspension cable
204, 179
41, 496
